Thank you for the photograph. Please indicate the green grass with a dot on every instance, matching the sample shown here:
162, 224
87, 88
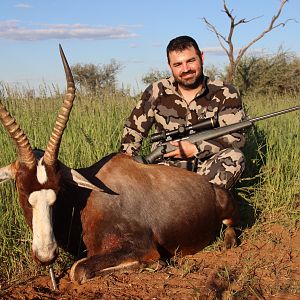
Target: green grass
94, 130
269, 190
272, 179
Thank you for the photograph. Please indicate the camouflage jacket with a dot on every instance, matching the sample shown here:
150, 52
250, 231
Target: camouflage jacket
163, 106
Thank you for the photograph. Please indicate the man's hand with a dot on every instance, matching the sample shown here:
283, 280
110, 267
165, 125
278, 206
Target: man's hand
185, 150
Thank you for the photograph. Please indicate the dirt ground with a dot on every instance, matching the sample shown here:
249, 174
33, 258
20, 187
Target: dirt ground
266, 265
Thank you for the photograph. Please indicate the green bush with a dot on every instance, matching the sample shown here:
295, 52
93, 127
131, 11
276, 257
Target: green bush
91, 77
269, 74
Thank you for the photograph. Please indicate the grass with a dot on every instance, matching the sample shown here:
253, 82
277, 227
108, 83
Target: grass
94, 130
271, 183
269, 188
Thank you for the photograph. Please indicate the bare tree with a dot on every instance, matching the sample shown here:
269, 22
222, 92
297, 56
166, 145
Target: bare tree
227, 43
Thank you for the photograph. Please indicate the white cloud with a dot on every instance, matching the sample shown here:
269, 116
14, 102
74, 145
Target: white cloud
218, 51
8, 24
12, 30
258, 51
22, 5
213, 51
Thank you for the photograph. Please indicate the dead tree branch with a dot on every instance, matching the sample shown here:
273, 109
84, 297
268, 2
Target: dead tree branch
227, 43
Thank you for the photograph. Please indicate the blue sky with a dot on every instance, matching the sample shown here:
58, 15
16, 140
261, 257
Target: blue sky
133, 32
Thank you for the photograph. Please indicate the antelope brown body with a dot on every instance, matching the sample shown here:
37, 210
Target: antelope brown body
126, 212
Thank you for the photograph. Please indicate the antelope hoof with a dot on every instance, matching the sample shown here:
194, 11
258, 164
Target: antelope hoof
230, 240
79, 274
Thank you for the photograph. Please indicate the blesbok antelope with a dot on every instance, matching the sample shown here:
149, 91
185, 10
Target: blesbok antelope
127, 213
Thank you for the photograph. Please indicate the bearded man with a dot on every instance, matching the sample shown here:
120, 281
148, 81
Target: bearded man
186, 98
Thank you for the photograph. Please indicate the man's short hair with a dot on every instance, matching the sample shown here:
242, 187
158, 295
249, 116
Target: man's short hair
181, 43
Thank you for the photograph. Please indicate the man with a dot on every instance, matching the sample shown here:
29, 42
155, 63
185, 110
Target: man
186, 98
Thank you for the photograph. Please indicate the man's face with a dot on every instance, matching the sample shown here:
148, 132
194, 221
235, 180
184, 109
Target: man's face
186, 67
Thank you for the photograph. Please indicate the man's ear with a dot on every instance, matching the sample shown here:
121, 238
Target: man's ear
75, 178
202, 57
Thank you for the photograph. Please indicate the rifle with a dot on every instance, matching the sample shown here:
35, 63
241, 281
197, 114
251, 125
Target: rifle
164, 145
183, 130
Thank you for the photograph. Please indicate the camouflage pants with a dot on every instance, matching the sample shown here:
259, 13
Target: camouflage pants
222, 169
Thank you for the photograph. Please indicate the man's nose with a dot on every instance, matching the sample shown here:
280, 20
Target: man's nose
185, 67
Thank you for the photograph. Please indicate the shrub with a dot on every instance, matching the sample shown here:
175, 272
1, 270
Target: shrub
269, 74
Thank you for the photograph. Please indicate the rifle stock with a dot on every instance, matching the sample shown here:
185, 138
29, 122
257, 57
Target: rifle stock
166, 147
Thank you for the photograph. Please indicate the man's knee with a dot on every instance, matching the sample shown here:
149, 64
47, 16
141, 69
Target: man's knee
234, 157
224, 168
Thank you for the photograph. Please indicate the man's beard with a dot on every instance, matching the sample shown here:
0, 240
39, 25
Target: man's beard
191, 83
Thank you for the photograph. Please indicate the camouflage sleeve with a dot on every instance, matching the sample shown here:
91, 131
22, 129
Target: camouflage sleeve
230, 111
138, 124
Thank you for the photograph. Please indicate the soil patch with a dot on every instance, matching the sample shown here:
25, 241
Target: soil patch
266, 265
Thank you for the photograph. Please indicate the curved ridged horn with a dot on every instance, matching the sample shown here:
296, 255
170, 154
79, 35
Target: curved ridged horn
51, 153
24, 150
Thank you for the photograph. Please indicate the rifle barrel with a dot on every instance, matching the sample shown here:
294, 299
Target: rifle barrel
211, 134
274, 114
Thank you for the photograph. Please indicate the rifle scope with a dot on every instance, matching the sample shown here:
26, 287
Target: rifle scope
184, 130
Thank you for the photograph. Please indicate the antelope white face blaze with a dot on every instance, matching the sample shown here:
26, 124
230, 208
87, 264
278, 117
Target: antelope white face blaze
41, 174
44, 245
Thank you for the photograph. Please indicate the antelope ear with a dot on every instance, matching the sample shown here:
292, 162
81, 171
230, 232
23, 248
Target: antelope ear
7, 173
76, 178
